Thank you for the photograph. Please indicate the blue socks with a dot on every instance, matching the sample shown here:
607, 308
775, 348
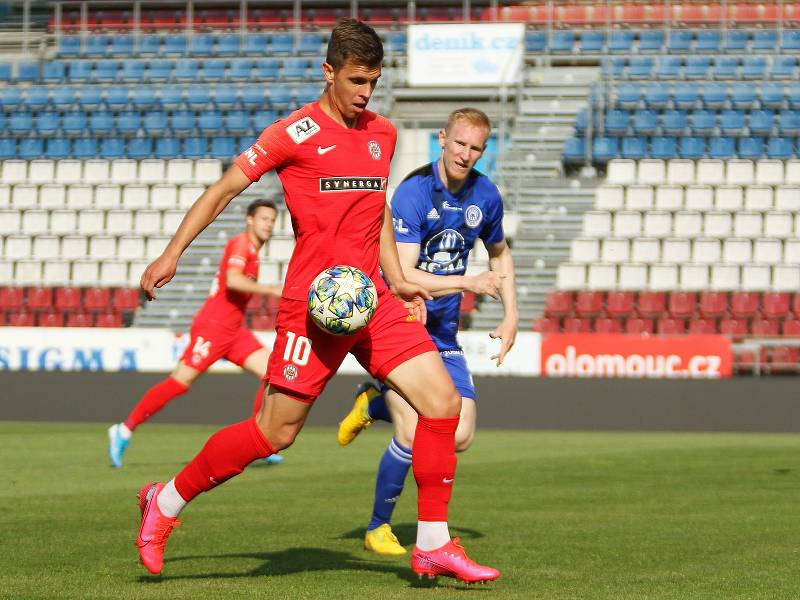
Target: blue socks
377, 407
389, 485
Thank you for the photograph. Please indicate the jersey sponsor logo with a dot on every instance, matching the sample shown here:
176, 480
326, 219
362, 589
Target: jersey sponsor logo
374, 149
251, 156
302, 129
290, 372
433, 215
473, 216
258, 147
443, 253
410, 319
399, 227
321, 150
447, 206
349, 184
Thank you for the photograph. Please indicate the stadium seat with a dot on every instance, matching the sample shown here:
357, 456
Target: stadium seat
639, 326
558, 303
733, 327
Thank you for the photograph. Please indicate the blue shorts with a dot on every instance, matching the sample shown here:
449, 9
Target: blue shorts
456, 365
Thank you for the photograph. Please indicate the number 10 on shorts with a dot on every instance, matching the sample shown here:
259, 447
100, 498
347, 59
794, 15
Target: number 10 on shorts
298, 349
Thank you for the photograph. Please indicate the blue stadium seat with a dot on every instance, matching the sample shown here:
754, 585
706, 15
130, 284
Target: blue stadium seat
772, 95
686, 95
241, 68
167, 147
735, 40
703, 121
133, 71
37, 97
310, 43
267, 69
580, 122
149, 45
308, 92
790, 40
223, 147
605, 148
280, 96
721, 147
397, 42
105, 71
144, 96
58, 148
69, 46
128, 122
47, 122
708, 40
651, 40
645, 121
789, 122
53, 71
761, 122
766, 39
140, 148
28, 71
175, 45
697, 67
656, 95
96, 46
754, 67
663, 147
31, 148
281, 43
5, 71
780, 148
751, 147
101, 122
213, 70
202, 44
159, 70
669, 67
620, 41
680, 40
634, 147
171, 97
616, 122
10, 98
226, 96
262, 119
715, 95
112, 147
726, 67
20, 122
692, 147
743, 95
794, 95
295, 68
253, 96
731, 122
210, 122
74, 122
614, 67
182, 122
228, 45
198, 96
562, 41
121, 45
629, 95
535, 41
84, 148
195, 147
574, 150
674, 121
155, 122
117, 97
592, 42
783, 67
256, 44
8, 148
80, 71
640, 67
237, 122
186, 69
63, 97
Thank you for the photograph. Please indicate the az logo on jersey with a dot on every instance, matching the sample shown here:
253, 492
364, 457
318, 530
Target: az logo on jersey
302, 129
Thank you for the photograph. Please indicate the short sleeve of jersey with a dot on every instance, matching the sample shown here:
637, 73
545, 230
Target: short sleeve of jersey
408, 212
237, 252
492, 231
273, 148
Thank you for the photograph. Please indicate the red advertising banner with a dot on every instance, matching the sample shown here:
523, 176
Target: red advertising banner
612, 355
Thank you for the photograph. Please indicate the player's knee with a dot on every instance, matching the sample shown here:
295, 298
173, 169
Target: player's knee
405, 435
279, 437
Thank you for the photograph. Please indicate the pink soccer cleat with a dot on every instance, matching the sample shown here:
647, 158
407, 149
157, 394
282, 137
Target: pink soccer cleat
450, 561
155, 528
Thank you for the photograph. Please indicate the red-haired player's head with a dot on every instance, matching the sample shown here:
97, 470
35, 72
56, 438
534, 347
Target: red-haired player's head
260, 220
352, 68
463, 141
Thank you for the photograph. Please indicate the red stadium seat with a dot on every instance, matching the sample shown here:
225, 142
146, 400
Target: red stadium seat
745, 360
2, 318
775, 305
96, 299
713, 304
607, 325
670, 326
770, 13
638, 326
469, 302
51, 319
783, 359
681, 304
659, 14
746, 13
744, 304
791, 327
21, 319
733, 327
702, 326
11, 298
39, 298
575, 14
272, 305
633, 13
125, 299
543, 14
68, 299
588, 304
255, 304
108, 319
577, 325
79, 319
651, 304
619, 304
558, 304
547, 325
262, 322
764, 327
600, 14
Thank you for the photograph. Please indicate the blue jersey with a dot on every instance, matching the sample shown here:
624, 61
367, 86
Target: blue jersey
446, 227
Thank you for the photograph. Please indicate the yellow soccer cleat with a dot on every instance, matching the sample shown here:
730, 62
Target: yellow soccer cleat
358, 418
381, 540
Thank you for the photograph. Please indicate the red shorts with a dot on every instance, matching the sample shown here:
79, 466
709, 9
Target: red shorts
305, 357
207, 344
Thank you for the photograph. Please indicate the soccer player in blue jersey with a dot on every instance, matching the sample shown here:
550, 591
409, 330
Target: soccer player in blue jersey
439, 210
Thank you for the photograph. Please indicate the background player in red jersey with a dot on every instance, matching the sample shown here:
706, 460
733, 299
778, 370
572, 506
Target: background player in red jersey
217, 330
332, 157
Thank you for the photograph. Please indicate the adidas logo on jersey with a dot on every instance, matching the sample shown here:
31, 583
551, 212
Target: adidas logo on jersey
433, 215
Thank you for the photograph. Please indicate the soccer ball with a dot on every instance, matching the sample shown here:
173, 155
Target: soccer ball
342, 300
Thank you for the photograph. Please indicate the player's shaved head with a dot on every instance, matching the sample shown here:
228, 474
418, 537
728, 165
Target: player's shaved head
471, 115
354, 41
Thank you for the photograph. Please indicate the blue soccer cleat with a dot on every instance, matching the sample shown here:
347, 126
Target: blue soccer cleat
273, 459
116, 445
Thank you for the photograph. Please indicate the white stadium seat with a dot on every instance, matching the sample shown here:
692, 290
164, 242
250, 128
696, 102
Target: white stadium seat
155, 246
688, 224
610, 197
758, 197
80, 196
151, 170
791, 251
269, 273
96, 171
663, 277
180, 170
46, 247
706, 251
124, 170
740, 172
2, 243
171, 220
657, 224
130, 247
280, 249
645, 250
584, 250
778, 224
639, 197
207, 170
699, 197
680, 171
724, 277
5, 196
755, 278
102, 246
24, 197
615, 251
135, 270
53, 196
15, 171
28, 272
571, 276
596, 223
147, 222
652, 171
729, 198
119, 222
621, 171
693, 278
188, 194
55, 272
69, 171
41, 171
164, 196
676, 250
601, 277
74, 247
767, 251
108, 196
627, 224
6, 270
747, 224
18, 247
632, 276
63, 222
10, 222
34, 222
710, 171
792, 174
769, 172
737, 251
85, 273
786, 278
113, 273
787, 197
669, 197
91, 222
135, 196
717, 224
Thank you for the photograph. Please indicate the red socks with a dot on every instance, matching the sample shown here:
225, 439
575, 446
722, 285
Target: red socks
156, 398
259, 399
433, 459
225, 455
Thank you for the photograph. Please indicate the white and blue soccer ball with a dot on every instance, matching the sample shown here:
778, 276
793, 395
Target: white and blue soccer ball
342, 300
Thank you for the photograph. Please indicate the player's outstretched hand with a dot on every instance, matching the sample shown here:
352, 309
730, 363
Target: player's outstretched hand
488, 283
413, 297
506, 332
158, 273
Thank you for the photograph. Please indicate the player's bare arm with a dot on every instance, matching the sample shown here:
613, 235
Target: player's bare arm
236, 280
203, 212
500, 261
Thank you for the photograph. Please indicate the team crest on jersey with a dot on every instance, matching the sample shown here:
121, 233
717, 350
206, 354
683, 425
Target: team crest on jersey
302, 129
290, 372
374, 149
473, 216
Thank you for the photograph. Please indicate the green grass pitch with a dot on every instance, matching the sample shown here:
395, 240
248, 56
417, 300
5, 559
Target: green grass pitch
562, 515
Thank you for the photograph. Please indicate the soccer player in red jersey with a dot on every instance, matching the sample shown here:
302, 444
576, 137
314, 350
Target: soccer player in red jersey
217, 330
332, 157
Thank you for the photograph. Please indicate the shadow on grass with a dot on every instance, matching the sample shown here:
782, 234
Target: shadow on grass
407, 533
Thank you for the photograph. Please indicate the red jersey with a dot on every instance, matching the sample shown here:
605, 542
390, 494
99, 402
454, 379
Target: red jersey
226, 307
334, 180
